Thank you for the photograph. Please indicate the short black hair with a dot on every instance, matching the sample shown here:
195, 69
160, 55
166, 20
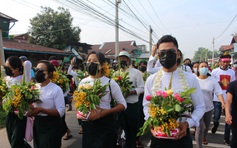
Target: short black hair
167, 38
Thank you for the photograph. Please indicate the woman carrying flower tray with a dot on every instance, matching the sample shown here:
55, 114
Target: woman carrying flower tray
48, 127
93, 101
15, 126
172, 87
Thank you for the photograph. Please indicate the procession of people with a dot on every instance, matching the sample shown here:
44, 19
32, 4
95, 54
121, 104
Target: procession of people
119, 108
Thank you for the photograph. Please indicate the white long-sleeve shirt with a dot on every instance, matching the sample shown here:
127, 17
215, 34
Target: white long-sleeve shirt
73, 74
150, 68
135, 76
115, 92
52, 97
197, 99
27, 70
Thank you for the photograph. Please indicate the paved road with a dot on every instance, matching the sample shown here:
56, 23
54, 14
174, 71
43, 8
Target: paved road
215, 140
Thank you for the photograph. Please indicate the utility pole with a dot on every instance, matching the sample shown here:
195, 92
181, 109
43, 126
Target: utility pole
2, 60
213, 46
150, 39
116, 28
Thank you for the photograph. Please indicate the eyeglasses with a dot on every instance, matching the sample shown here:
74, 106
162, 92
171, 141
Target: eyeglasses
166, 52
38, 69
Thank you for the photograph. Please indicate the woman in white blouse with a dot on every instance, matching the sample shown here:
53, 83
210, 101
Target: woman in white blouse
48, 123
209, 87
99, 130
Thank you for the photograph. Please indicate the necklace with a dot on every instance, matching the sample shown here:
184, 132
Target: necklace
157, 83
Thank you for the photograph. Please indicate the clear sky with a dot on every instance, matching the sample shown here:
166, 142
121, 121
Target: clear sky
194, 23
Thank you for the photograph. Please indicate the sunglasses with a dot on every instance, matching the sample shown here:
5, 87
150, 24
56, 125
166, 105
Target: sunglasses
166, 52
35, 69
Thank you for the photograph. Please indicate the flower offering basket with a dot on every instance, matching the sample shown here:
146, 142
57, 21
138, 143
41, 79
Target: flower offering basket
80, 114
160, 134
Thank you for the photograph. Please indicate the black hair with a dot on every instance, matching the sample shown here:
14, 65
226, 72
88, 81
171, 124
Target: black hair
49, 65
15, 62
225, 55
187, 59
99, 55
144, 62
167, 38
198, 74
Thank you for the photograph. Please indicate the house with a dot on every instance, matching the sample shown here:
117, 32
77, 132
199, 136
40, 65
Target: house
18, 45
108, 48
231, 49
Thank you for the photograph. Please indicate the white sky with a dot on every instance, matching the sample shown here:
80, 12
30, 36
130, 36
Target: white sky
194, 23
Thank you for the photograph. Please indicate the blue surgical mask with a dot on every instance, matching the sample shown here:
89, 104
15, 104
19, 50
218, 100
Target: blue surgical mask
203, 71
195, 70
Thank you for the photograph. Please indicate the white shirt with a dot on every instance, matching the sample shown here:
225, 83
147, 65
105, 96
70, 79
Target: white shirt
27, 70
209, 86
52, 97
13, 80
186, 68
224, 76
105, 100
197, 99
135, 76
150, 68
73, 74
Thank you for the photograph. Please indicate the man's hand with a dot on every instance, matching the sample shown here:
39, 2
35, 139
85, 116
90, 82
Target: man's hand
153, 51
183, 130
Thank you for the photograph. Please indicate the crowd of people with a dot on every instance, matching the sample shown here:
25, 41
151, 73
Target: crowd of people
215, 91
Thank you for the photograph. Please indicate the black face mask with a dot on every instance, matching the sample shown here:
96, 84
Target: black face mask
123, 64
40, 76
92, 68
142, 68
167, 58
8, 71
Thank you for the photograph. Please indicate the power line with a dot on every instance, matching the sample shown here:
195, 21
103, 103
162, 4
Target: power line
158, 17
90, 11
227, 27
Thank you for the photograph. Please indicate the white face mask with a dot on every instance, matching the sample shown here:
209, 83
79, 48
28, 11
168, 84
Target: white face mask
235, 65
195, 70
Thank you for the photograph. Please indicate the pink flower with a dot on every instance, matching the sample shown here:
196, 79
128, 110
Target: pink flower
148, 98
177, 96
158, 93
164, 94
32, 87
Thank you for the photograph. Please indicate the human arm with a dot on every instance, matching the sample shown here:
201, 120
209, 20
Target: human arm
198, 102
52, 104
228, 117
27, 68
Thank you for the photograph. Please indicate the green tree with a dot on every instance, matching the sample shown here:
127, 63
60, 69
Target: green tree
202, 54
53, 28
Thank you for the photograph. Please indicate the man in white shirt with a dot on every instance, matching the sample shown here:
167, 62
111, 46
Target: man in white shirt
224, 75
129, 119
168, 56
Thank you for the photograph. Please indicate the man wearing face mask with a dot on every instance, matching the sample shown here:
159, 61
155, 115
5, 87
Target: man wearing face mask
169, 57
224, 75
129, 119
